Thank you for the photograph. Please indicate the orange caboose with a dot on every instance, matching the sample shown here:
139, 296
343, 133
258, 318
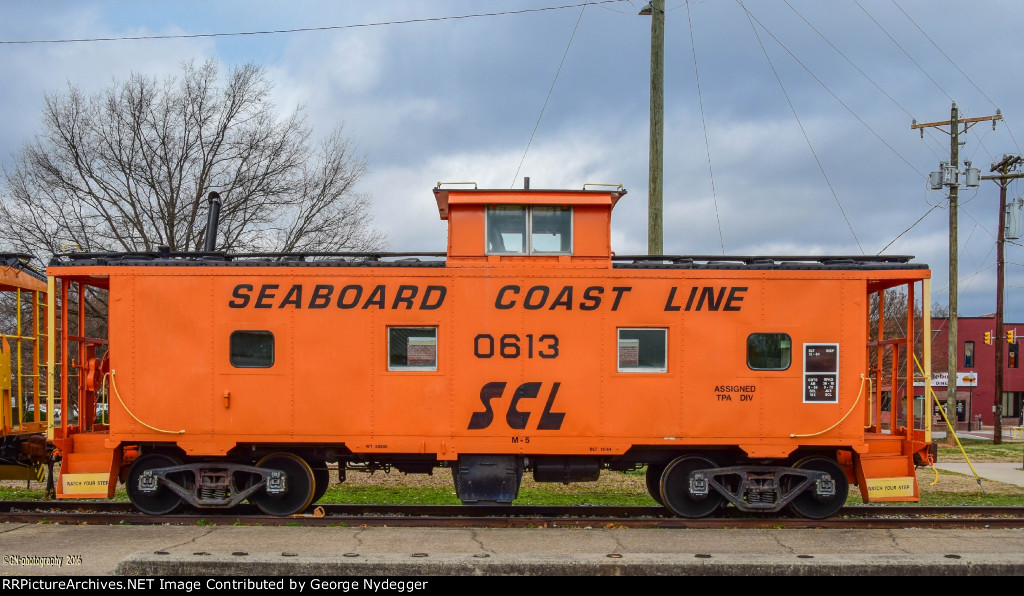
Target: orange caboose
527, 347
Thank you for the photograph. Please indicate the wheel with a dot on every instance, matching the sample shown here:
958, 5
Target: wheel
299, 485
321, 478
163, 500
675, 488
653, 478
811, 506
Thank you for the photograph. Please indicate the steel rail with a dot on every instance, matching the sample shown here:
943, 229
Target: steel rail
85, 512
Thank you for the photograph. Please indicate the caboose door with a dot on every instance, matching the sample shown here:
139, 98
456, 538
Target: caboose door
252, 392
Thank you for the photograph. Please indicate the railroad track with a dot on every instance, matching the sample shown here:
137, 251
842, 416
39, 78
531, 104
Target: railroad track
515, 516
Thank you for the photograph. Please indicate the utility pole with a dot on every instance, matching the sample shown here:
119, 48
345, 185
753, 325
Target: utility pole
953, 326
1009, 162
949, 176
656, 9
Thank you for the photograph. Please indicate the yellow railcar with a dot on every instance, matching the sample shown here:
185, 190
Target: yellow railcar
23, 417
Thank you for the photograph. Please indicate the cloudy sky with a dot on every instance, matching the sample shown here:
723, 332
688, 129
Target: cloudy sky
797, 139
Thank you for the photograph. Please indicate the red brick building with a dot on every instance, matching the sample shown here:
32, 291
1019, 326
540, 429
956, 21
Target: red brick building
977, 357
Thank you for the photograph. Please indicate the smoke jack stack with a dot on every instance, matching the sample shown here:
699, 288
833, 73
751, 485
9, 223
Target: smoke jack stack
210, 244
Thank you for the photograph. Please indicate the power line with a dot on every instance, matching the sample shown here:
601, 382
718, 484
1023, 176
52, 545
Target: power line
632, 9
934, 207
981, 144
931, 137
963, 281
703, 121
896, 4
1012, 138
857, 68
979, 224
309, 29
907, 54
750, 19
550, 91
830, 92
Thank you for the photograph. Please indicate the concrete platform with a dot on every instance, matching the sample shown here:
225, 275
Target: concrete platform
588, 565
1009, 473
417, 552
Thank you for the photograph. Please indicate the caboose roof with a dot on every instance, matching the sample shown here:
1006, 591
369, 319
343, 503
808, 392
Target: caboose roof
472, 203
17, 273
479, 196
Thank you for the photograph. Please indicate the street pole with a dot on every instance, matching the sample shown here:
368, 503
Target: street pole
1003, 179
953, 183
997, 406
655, 245
954, 194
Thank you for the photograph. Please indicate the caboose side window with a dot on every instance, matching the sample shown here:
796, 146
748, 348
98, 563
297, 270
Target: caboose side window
524, 230
506, 230
252, 349
643, 350
769, 351
412, 348
551, 230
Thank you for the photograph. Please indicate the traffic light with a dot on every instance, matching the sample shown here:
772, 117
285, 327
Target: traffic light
988, 337
1009, 336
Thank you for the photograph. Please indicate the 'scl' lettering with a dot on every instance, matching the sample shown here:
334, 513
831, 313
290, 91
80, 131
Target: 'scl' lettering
483, 419
551, 420
513, 417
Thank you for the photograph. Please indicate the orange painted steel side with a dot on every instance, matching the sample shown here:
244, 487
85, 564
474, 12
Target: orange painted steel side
526, 352
169, 330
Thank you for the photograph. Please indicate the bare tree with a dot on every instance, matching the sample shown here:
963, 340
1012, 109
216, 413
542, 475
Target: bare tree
895, 328
128, 169
895, 318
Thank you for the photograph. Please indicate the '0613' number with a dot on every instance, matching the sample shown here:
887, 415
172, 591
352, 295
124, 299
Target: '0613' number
511, 345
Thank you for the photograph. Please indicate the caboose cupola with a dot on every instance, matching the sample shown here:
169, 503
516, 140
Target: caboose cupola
562, 228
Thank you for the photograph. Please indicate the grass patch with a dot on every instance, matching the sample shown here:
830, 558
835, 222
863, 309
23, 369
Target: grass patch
388, 494
976, 499
37, 491
981, 450
33, 493
542, 495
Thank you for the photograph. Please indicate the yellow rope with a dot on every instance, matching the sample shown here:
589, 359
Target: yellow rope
113, 385
103, 394
871, 402
859, 393
949, 429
